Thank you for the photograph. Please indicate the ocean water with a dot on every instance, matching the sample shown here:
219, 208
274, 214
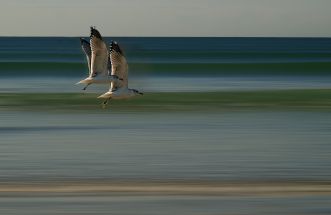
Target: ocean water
52, 156
230, 146
171, 64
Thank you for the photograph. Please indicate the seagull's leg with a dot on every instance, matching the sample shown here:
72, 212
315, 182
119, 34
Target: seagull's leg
104, 104
106, 101
86, 86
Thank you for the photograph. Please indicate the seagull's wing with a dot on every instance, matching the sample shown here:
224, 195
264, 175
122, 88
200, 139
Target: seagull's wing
119, 66
87, 50
109, 66
99, 54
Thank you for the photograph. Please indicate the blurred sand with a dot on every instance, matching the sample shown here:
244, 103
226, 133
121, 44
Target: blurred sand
167, 188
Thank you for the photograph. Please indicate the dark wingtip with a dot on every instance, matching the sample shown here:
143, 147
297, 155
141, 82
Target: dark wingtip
115, 47
95, 33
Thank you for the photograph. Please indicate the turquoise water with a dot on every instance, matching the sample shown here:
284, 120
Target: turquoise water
261, 146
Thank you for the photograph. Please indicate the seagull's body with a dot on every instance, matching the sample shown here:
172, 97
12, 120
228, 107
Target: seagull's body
119, 68
98, 61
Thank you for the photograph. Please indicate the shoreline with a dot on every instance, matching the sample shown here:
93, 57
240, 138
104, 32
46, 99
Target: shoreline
167, 188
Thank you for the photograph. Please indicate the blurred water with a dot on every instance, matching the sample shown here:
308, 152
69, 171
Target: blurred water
225, 146
167, 84
42, 147
162, 205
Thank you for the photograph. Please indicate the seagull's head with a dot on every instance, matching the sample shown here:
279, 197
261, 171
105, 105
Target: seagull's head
85, 81
106, 95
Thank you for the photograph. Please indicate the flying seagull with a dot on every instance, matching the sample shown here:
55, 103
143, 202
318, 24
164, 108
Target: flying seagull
98, 61
119, 68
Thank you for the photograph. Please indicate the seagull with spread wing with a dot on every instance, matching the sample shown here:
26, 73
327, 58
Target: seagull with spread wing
119, 68
98, 61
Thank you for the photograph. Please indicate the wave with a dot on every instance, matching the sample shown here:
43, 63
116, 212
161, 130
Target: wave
172, 69
313, 99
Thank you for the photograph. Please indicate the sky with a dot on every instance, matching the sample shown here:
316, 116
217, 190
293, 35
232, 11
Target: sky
221, 18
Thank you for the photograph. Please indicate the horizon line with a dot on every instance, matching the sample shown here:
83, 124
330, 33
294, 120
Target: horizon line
289, 37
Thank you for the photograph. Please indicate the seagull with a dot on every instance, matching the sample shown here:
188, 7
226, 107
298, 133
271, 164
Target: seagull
119, 68
98, 61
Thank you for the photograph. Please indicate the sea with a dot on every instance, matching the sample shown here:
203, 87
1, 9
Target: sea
79, 160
